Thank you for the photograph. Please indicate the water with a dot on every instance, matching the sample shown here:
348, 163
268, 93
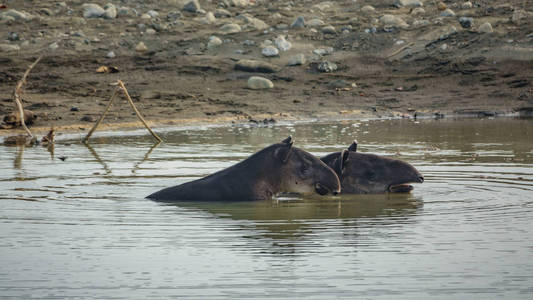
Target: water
80, 228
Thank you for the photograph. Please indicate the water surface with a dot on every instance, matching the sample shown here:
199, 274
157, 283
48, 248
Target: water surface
80, 228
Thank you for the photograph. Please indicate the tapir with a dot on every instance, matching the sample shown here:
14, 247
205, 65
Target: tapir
362, 173
277, 168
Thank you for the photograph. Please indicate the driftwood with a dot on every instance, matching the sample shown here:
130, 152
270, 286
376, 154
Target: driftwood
121, 87
18, 92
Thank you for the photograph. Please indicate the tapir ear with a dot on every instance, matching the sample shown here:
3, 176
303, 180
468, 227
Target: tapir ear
353, 146
283, 152
343, 160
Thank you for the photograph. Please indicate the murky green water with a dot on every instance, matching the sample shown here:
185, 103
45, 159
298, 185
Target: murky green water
80, 228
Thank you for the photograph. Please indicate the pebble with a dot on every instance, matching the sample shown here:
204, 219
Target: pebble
282, 43
110, 11
124, 11
392, 20
110, 54
447, 13
485, 28
46, 11
249, 65
441, 5
153, 13
192, 6
270, 51
239, 3
145, 17
466, 22
230, 28
141, 47
13, 36
327, 66
315, 23
259, 83
443, 47
209, 18
418, 11
328, 30
248, 43
296, 60
53, 46
466, 5
298, 23
408, 3
213, 42
9, 48
367, 9
91, 10
173, 16
74, 108
323, 51
87, 118
222, 13
150, 31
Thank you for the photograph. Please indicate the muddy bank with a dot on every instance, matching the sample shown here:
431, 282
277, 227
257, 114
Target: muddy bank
334, 59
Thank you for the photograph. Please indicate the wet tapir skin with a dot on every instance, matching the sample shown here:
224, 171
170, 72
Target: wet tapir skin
277, 168
362, 173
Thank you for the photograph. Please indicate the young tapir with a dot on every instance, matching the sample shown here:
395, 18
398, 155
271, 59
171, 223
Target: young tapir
277, 168
362, 173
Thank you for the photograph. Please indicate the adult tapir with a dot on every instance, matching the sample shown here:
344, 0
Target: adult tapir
274, 169
362, 173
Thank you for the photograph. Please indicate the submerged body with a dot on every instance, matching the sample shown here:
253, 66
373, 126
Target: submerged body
362, 173
277, 168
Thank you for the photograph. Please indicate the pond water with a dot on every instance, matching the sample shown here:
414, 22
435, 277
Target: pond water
80, 228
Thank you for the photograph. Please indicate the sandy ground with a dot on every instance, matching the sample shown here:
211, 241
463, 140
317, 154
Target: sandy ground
429, 66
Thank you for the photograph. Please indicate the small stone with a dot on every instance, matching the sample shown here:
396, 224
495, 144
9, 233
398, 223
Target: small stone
173, 16
408, 3
466, 22
230, 28
192, 6
441, 6
53, 46
339, 84
323, 51
13, 36
270, 51
9, 48
46, 12
213, 42
368, 9
518, 16
282, 43
328, 30
298, 23
141, 47
259, 83
327, 66
418, 11
392, 20
209, 18
466, 5
87, 118
296, 60
150, 31
443, 47
110, 54
248, 43
145, 17
124, 11
249, 65
91, 10
239, 3
110, 11
222, 13
153, 13
74, 108
315, 23
447, 13
485, 28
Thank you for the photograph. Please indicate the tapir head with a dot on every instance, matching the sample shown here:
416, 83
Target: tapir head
302, 172
362, 173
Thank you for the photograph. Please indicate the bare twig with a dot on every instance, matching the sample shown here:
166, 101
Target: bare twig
102, 116
121, 84
18, 91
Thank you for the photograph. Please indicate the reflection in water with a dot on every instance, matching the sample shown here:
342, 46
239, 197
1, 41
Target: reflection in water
464, 233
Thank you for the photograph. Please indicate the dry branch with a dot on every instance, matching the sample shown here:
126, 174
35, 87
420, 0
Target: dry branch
18, 91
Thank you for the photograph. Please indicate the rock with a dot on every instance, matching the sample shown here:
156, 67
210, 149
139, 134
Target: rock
150, 31
315, 23
259, 83
91, 10
298, 23
230, 28
13, 36
110, 11
239, 3
282, 43
466, 22
209, 18
249, 65
222, 13
466, 5
420, 23
141, 47
192, 6
173, 16
408, 3
74, 108
296, 60
110, 54
443, 47
213, 42
323, 51
53, 46
368, 9
8, 48
327, 66
518, 15
145, 17
152, 13
255, 22
441, 6
87, 118
418, 11
485, 28
339, 84
447, 13
270, 51
392, 20
328, 30
124, 12
248, 43
16, 15
46, 11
